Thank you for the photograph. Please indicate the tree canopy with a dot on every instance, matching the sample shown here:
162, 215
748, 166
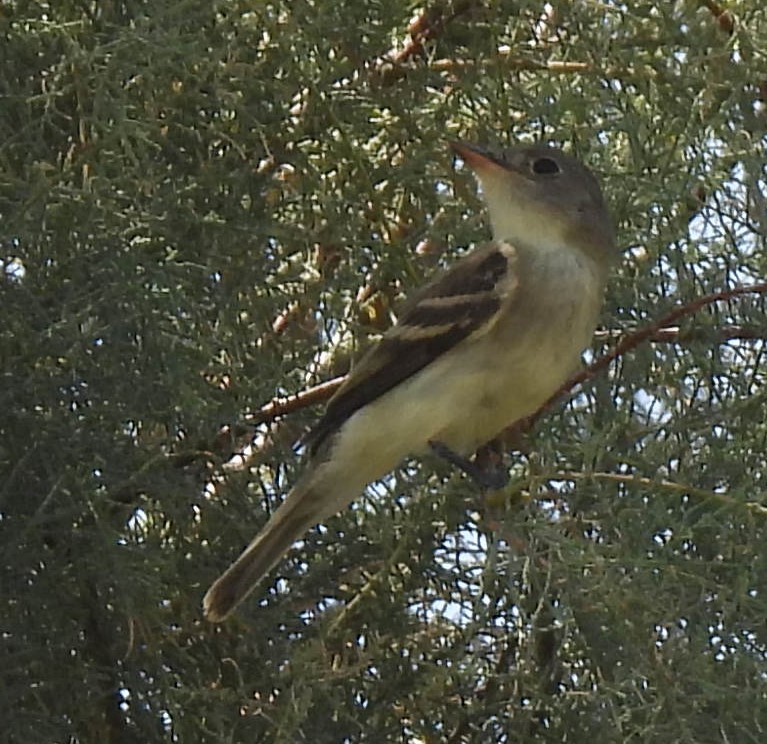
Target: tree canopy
209, 208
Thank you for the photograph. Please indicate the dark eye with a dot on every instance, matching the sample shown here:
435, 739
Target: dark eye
544, 166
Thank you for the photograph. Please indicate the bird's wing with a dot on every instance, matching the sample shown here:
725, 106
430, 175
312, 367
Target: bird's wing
464, 301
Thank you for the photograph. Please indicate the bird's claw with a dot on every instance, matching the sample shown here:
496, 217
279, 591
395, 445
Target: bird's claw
490, 476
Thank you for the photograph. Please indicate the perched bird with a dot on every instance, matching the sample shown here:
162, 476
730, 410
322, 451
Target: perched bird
483, 345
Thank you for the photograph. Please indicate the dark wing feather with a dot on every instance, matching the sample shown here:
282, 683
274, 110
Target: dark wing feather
456, 304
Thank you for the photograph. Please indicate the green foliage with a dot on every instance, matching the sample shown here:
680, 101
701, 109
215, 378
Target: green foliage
196, 197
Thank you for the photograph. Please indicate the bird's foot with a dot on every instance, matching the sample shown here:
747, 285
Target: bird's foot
486, 470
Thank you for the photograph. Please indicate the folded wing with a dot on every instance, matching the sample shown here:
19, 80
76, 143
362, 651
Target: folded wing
463, 301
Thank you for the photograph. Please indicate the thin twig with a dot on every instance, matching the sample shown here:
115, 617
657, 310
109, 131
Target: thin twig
656, 329
662, 484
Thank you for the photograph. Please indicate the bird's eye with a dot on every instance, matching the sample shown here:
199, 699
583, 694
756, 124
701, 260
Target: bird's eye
544, 166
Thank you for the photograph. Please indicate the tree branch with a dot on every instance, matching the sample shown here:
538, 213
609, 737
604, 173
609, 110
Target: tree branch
664, 330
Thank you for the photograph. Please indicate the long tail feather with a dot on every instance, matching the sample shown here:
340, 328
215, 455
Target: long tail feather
239, 580
313, 499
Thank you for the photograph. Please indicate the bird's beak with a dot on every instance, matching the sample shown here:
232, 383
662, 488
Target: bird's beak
476, 157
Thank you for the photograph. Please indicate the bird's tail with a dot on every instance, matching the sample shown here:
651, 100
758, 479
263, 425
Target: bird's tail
308, 503
254, 563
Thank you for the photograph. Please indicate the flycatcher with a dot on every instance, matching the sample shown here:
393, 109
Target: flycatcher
484, 344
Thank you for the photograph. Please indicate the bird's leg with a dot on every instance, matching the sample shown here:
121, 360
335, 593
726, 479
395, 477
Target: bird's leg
490, 460
486, 469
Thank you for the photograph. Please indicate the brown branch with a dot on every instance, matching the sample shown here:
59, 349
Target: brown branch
518, 63
230, 439
283, 406
663, 330
664, 326
724, 19
674, 334
427, 26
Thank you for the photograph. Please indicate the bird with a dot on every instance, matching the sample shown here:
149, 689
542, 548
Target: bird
482, 345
